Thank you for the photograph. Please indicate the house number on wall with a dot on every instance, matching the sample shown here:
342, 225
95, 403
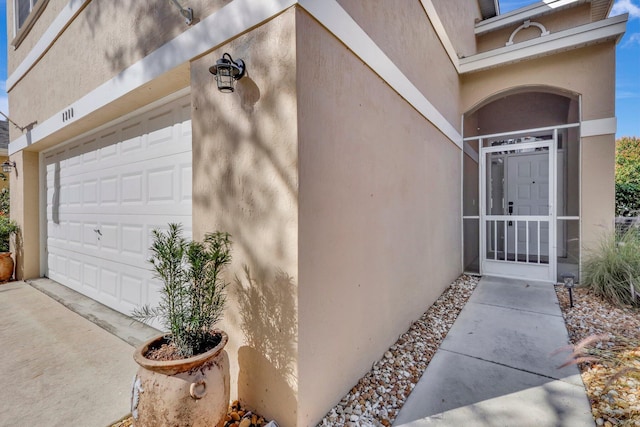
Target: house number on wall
67, 115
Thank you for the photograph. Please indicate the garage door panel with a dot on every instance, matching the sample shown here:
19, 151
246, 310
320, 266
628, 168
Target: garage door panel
106, 193
121, 240
168, 183
131, 185
59, 173
108, 190
90, 192
109, 236
122, 287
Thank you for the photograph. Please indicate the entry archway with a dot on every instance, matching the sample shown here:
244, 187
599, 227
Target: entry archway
521, 184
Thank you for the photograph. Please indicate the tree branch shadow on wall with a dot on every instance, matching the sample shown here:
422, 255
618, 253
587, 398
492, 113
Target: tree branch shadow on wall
269, 323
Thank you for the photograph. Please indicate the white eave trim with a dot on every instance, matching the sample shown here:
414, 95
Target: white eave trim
552, 43
520, 15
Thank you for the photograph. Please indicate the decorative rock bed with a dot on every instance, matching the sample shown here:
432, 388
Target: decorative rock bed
377, 398
612, 379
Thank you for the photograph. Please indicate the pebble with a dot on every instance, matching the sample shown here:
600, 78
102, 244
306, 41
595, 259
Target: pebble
376, 399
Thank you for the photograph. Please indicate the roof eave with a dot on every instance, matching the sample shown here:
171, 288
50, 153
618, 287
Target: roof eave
573, 38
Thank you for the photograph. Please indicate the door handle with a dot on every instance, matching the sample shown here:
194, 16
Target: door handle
510, 210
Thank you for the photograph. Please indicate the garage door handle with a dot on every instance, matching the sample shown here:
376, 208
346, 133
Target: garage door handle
97, 230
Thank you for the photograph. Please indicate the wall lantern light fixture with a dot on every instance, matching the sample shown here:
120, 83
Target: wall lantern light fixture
8, 166
227, 71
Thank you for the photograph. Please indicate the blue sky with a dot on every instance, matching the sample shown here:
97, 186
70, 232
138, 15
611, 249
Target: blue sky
627, 72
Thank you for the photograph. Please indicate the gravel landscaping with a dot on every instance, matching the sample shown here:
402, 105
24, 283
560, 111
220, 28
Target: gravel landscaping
607, 341
378, 397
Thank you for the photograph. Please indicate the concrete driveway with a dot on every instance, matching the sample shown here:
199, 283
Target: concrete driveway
57, 367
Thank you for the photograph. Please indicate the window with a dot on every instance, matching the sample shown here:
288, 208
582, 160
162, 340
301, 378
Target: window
22, 10
25, 14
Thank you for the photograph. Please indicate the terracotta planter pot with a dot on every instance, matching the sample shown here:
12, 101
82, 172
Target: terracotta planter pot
186, 392
6, 266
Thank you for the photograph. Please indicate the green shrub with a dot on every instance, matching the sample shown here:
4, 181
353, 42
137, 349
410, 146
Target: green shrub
8, 228
4, 202
193, 293
627, 199
613, 269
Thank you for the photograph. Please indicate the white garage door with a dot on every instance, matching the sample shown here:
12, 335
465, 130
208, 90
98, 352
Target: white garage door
106, 192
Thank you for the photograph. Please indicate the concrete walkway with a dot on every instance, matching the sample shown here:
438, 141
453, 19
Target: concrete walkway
496, 368
57, 367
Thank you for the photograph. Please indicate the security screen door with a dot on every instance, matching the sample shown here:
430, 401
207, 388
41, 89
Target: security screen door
517, 216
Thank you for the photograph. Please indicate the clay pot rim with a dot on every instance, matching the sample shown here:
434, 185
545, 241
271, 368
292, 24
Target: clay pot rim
5, 254
171, 367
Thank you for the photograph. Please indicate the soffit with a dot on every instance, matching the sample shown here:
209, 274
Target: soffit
488, 8
600, 9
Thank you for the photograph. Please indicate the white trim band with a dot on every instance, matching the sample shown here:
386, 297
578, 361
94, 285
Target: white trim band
597, 127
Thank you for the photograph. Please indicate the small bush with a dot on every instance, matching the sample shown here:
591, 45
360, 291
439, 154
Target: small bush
8, 228
193, 293
4, 202
613, 270
627, 199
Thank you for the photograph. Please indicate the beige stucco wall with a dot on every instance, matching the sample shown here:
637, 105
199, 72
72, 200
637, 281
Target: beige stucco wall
25, 211
379, 224
597, 189
245, 181
553, 22
589, 71
416, 49
522, 111
105, 38
458, 18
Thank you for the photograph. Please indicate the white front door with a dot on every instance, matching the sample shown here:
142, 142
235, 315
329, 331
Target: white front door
527, 186
517, 212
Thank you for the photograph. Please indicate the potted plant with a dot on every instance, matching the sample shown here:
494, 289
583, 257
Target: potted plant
8, 228
183, 379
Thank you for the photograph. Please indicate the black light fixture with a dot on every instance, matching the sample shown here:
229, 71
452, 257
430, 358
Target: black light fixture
569, 283
8, 166
227, 71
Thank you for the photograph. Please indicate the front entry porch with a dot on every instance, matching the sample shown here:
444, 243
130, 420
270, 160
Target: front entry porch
521, 189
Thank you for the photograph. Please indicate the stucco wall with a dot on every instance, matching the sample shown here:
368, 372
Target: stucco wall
245, 181
523, 111
597, 189
25, 211
589, 71
105, 38
458, 18
379, 224
406, 36
17, 53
